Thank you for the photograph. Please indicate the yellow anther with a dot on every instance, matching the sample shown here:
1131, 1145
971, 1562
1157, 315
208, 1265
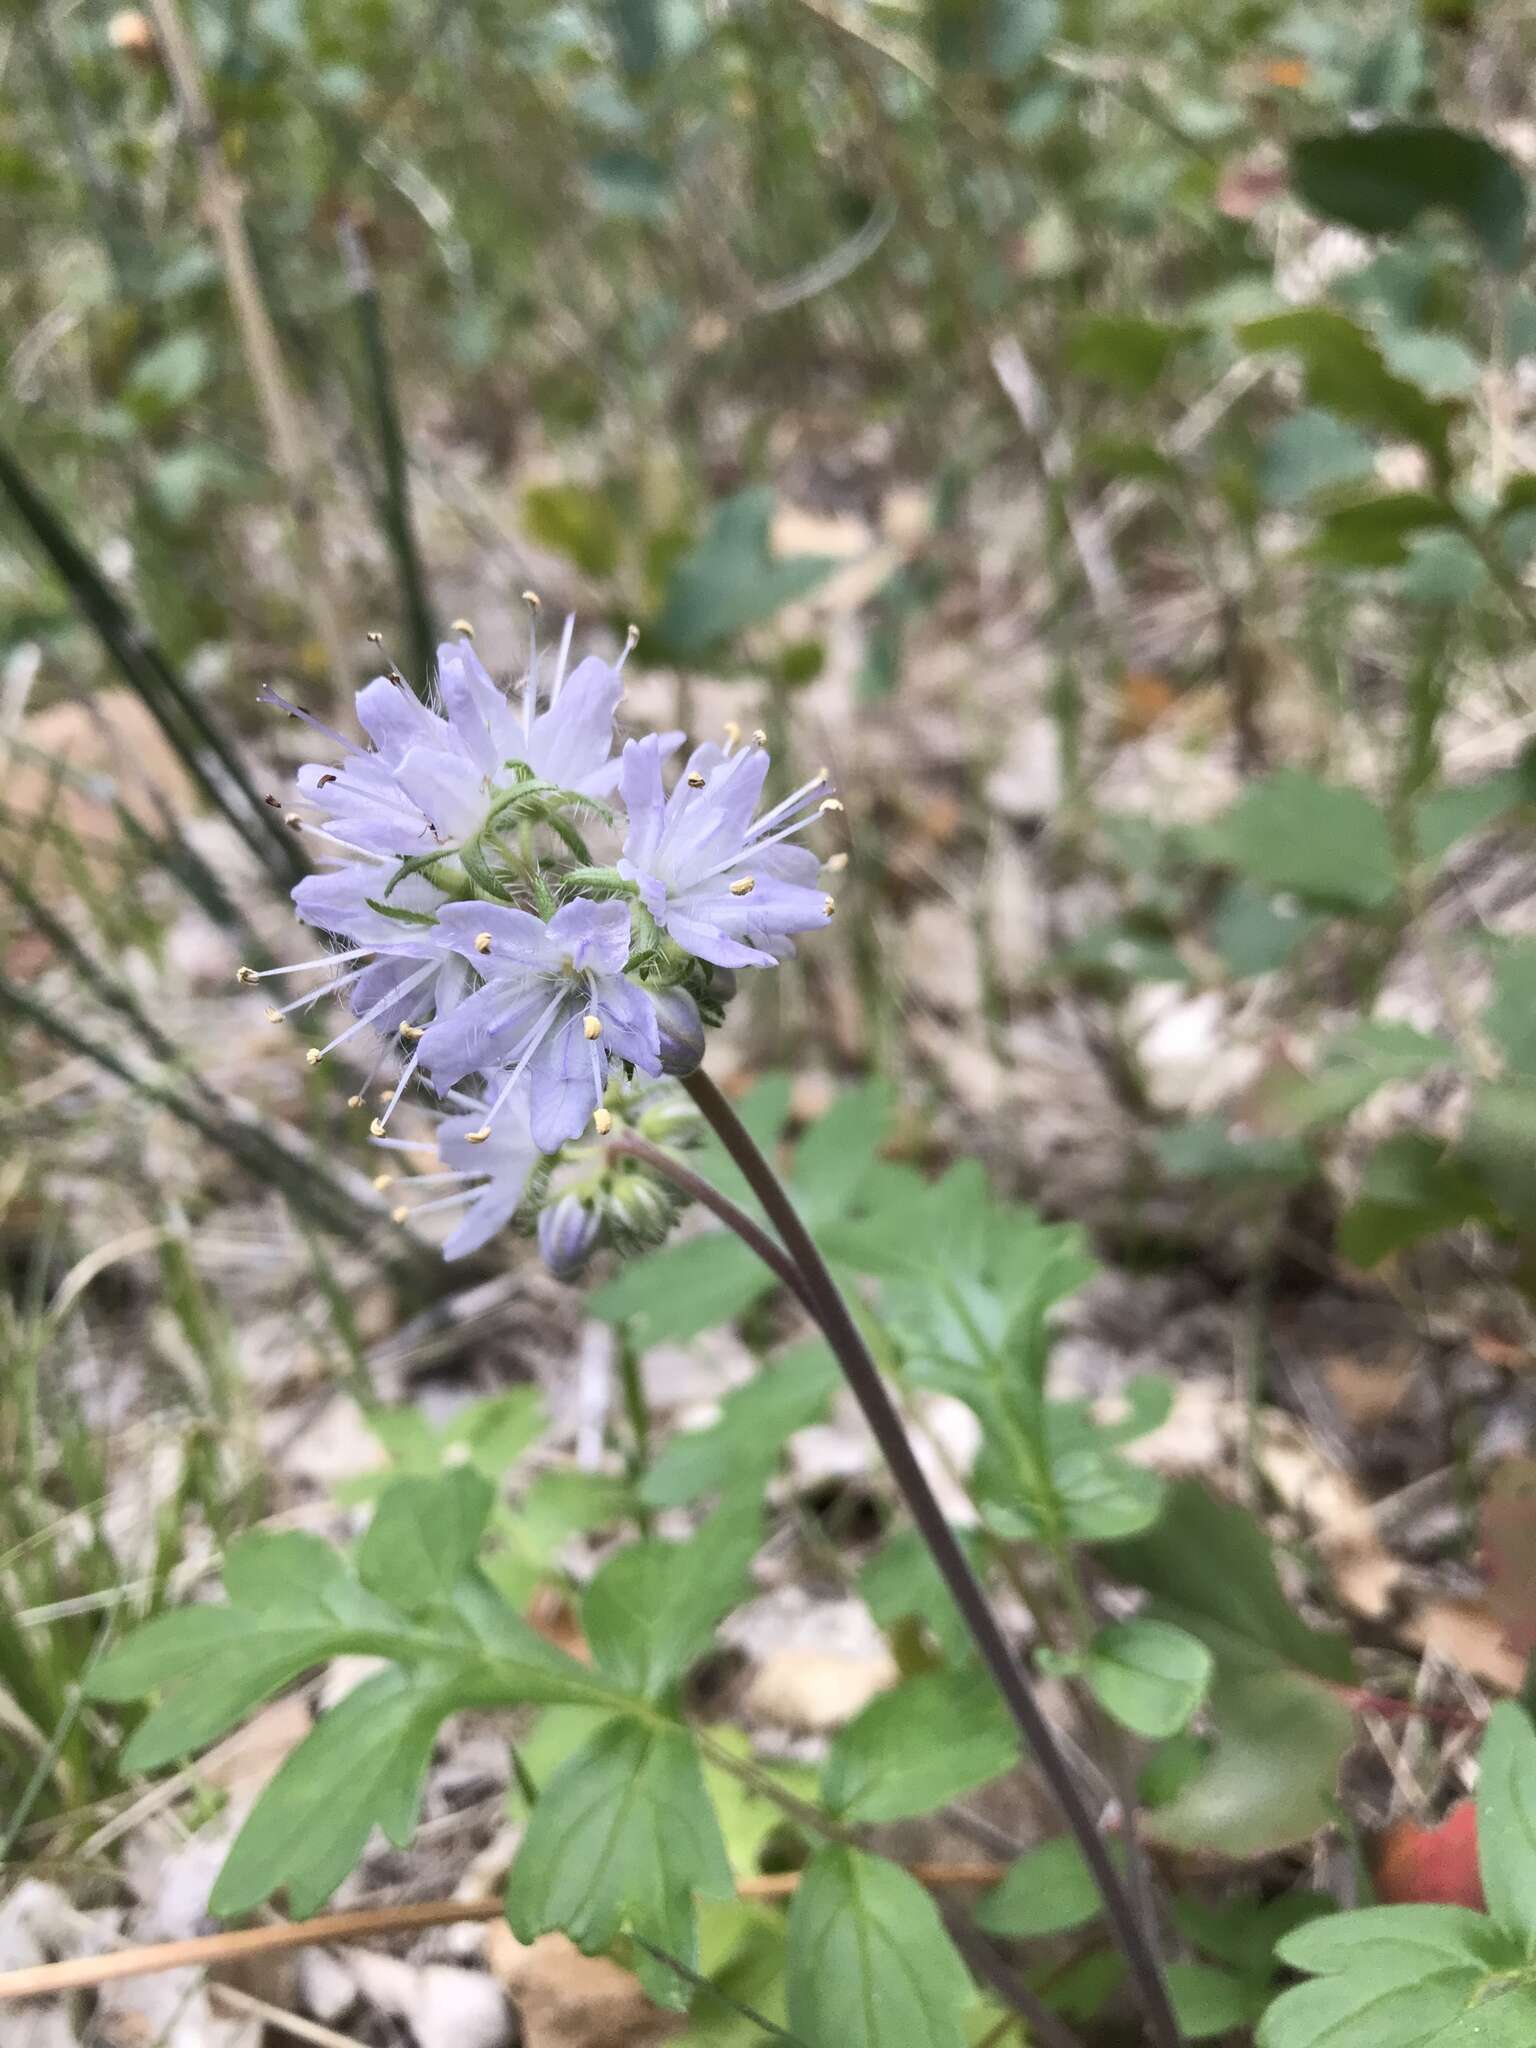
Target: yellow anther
602, 1122
829, 804
377, 639
381, 1181
313, 1057
477, 1137
294, 822
533, 601
745, 886
247, 976
829, 904
482, 942
400, 1215
835, 863
378, 1128
631, 639
732, 732
413, 1032
463, 626
273, 1015
354, 1102
695, 781
591, 1027
759, 737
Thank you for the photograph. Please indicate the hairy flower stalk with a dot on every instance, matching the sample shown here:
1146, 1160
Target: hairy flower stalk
543, 960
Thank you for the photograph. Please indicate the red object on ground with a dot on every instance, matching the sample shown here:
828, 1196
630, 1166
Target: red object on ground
1417, 1866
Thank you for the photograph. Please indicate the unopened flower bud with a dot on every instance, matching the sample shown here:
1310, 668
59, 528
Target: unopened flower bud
681, 1030
567, 1236
640, 1212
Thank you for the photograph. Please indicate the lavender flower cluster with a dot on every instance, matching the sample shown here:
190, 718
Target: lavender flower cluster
474, 928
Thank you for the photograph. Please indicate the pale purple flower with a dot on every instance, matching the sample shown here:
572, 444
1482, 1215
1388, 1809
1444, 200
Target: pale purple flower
432, 776
681, 1031
555, 1005
489, 1164
729, 889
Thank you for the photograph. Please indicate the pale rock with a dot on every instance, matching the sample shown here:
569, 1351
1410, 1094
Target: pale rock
567, 2000
1185, 1045
815, 1692
443, 2007
1026, 785
940, 964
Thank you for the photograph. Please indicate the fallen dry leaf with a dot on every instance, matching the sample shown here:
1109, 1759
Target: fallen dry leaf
567, 2000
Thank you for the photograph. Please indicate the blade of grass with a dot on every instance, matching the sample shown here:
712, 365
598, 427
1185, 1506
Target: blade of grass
394, 501
210, 756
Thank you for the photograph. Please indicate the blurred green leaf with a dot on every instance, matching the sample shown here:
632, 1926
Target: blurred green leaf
901, 1583
731, 580
1382, 179
1311, 452
172, 373
424, 1536
1208, 2001
928, 1741
1412, 1189
1345, 374
1511, 1014
1328, 844
1150, 1675
756, 1421
651, 1610
1376, 533
1126, 350
576, 522
1047, 1891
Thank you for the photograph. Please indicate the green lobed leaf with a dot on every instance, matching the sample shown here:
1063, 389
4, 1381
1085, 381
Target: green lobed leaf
1412, 1189
1345, 374
621, 1839
1415, 1939
1313, 451
1208, 2002
756, 1421
1150, 1675
927, 1741
1377, 532
362, 1767
424, 1536
651, 1611
675, 1293
869, 1964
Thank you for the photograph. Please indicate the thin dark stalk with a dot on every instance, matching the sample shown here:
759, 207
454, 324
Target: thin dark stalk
698, 1189
863, 1377
210, 757
395, 499
1045, 2026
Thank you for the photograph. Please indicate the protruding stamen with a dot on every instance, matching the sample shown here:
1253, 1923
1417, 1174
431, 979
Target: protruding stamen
293, 821
759, 737
829, 904
745, 886
273, 1015
631, 642
835, 863
482, 942
477, 1137
562, 658
313, 1057
381, 1181
401, 1214
533, 601
695, 781
591, 1027
732, 734
464, 628
413, 1031
829, 805
247, 977
354, 1102
378, 1127
796, 800
267, 695
602, 1122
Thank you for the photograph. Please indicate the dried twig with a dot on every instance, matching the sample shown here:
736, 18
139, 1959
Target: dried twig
82, 1973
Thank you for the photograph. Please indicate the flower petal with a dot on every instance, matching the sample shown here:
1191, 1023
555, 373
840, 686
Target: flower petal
629, 1021
562, 1090
593, 936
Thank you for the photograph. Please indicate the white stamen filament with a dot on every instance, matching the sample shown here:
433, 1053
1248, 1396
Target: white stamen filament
526, 1050
247, 975
791, 803
561, 659
381, 1121
377, 1009
326, 988
267, 695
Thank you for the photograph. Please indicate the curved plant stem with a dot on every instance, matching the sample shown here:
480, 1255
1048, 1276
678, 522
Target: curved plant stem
698, 1189
863, 1377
